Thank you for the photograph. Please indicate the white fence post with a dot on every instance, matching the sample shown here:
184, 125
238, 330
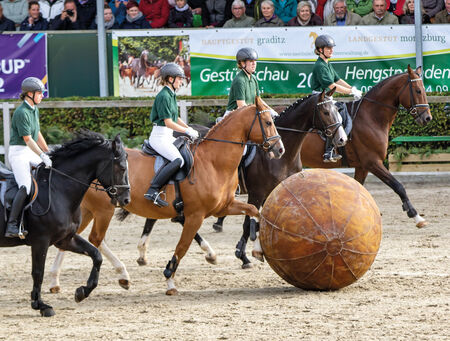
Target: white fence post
6, 128
183, 110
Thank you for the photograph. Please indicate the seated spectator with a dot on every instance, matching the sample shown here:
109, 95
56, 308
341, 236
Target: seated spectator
180, 15
156, 12
239, 18
87, 10
361, 7
51, 8
68, 19
196, 9
34, 21
305, 16
216, 12
395, 7
252, 8
285, 9
443, 17
269, 19
342, 17
5, 23
134, 18
119, 10
379, 16
108, 17
408, 17
15, 10
432, 7
324, 8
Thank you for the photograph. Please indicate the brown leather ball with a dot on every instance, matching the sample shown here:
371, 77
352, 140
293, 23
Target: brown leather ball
320, 230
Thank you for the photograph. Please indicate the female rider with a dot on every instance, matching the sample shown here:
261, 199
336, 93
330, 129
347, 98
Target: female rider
324, 77
27, 147
165, 120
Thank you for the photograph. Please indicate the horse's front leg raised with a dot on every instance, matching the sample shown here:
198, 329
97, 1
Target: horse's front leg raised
39, 254
383, 174
79, 245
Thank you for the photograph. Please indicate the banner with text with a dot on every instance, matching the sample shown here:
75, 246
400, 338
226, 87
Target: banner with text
363, 56
21, 56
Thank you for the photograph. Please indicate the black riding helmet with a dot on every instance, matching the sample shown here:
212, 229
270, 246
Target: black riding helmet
322, 41
31, 84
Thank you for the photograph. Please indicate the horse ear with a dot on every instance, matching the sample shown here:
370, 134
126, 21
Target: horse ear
259, 102
117, 142
419, 70
322, 96
331, 92
410, 71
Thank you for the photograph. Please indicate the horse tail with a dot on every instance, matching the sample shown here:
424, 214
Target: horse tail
122, 214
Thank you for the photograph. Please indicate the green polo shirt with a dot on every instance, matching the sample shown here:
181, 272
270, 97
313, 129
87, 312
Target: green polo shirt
323, 75
243, 89
25, 121
165, 106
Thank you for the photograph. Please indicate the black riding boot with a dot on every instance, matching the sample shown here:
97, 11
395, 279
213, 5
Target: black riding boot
330, 154
12, 229
160, 180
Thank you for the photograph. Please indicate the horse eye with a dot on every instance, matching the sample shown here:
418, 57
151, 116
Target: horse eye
268, 123
326, 113
418, 91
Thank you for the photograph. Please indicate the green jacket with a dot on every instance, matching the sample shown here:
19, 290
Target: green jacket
25, 121
243, 21
165, 106
362, 8
371, 19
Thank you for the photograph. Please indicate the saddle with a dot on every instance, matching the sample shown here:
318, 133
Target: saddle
182, 145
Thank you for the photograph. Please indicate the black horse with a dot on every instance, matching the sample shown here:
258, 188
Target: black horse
54, 216
313, 113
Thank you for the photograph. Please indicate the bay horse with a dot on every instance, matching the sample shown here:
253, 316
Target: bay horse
54, 216
139, 66
208, 192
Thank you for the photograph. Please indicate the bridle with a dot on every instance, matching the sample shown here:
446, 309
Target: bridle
111, 190
265, 145
412, 110
328, 131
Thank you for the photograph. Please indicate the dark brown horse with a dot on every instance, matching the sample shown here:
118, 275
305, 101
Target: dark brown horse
211, 187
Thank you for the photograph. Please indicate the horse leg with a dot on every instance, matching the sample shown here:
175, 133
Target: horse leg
81, 246
211, 256
191, 226
361, 174
39, 254
218, 225
383, 174
242, 244
55, 270
144, 241
119, 267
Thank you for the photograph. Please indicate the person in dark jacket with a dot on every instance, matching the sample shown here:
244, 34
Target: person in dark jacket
34, 21
119, 10
5, 23
68, 19
134, 18
87, 10
180, 15
408, 17
216, 12
110, 20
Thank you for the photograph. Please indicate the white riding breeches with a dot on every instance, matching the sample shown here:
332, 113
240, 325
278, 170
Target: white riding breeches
22, 159
161, 139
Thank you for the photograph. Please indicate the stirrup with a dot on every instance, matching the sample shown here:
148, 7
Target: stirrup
155, 198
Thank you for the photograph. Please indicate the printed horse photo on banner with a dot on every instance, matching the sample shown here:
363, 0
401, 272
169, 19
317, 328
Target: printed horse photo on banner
140, 61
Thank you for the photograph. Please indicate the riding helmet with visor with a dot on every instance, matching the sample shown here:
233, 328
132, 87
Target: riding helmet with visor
32, 84
322, 41
246, 53
172, 70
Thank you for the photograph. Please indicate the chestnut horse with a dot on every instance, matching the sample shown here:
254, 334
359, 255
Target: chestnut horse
209, 190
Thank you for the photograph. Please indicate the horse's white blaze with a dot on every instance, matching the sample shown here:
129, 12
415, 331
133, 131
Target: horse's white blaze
418, 219
171, 284
142, 245
207, 248
257, 245
55, 271
119, 267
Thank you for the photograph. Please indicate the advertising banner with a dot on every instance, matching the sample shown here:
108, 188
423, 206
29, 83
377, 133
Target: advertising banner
21, 56
363, 56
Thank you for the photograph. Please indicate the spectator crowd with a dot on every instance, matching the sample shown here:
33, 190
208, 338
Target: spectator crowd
33, 15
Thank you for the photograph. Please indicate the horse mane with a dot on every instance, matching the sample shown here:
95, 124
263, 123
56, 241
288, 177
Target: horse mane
291, 107
82, 141
224, 121
378, 86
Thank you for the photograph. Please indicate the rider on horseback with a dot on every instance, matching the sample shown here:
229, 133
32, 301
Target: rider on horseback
324, 77
27, 147
165, 120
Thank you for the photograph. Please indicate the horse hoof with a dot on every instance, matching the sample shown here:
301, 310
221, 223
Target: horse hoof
172, 292
258, 255
55, 290
247, 266
211, 259
421, 224
217, 227
124, 283
141, 261
47, 312
79, 295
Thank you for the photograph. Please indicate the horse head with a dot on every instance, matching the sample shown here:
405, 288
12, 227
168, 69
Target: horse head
263, 130
330, 121
114, 174
415, 100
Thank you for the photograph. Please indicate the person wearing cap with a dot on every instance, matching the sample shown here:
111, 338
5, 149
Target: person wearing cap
134, 18
27, 147
166, 120
324, 77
